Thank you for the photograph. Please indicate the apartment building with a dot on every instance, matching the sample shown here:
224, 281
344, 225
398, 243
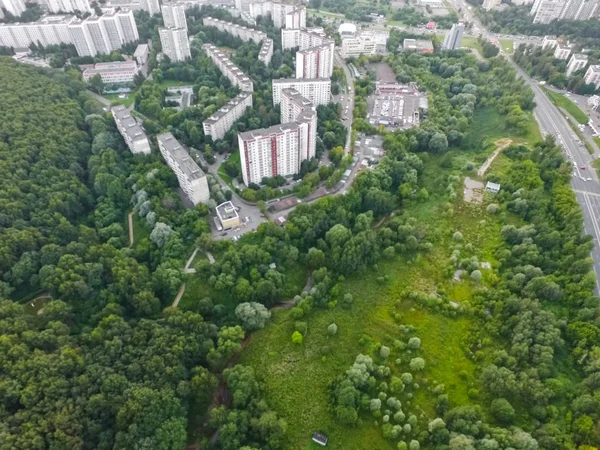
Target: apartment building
315, 62
174, 15
281, 13
119, 72
128, 26
317, 91
175, 43
296, 108
49, 30
141, 54
230, 70
296, 18
192, 179
592, 76
545, 11
101, 35
549, 42
490, 4
246, 17
580, 9
64, 6
244, 33
222, 120
132, 133
577, 62
151, 6
266, 52
15, 7
453, 37
562, 51
303, 38
358, 45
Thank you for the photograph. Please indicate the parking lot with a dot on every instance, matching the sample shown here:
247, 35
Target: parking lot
250, 219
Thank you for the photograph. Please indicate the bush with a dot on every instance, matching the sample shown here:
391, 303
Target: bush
406, 378
296, 338
414, 343
476, 276
332, 329
301, 327
457, 236
502, 411
384, 351
417, 364
347, 301
492, 208
414, 445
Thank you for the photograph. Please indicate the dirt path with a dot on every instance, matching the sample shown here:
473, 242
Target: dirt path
179, 295
130, 221
501, 144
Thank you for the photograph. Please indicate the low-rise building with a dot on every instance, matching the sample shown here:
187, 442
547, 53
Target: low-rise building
230, 70
577, 62
417, 45
549, 42
113, 72
563, 51
141, 54
132, 132
228, 215
266, 52
317, 91
222, 120
592, 76
192, 179
358, 45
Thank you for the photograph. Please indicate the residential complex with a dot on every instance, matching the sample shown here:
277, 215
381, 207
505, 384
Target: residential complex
303, 38
562, 51
283, 15
191, 178
549, 42
296, 18
577, 62
92, 36
151, 6
230, 70
580, 9
175, 43
266, 52
15, 7
222, 120
132, 133
417, 45
545, 11
358, 45
453, 37
64, 6
280, 149
244, 33
592, 76
315, 62
174, 15
317, 91
113, 72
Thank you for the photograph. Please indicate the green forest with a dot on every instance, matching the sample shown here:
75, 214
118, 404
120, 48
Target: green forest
401, 315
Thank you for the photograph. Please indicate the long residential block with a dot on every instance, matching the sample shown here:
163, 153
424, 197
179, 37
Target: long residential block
317, 91
132, 133
230, 70
113, 72
192, 179
266, 52
283, 15
222, 120
244, 33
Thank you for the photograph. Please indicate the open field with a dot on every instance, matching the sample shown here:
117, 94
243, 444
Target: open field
471, 42
563, 102
127, 101
507, 45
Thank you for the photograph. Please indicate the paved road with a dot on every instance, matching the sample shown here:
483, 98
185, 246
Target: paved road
348, 102
585, 180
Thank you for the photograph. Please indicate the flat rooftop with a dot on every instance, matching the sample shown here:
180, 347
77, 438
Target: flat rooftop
141, 50
182, 158
301, 80
226, 211
266, 47
266, 132
224, 110
417, 44
224, 59
128, 123
296, 97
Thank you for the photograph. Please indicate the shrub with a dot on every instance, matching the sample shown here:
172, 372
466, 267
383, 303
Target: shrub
384, 351
476, 276
297, 338
301, 327
414, 343
332, 329
375, 404
414, 445
457, 236
406, 378
347, 301
402, 445
492, 208
417, 364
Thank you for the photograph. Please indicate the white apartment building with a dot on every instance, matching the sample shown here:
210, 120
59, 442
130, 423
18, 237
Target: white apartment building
490, 4
151, 6
316, 91
244, 33
113, 72
58, 6
141, 54
549, 42
453, 37
15, 7
246, 17
359, 45
266, 52
563, 51
98, 34
546, 10
128, 26
49, 30
296, 18
592, 76
132, 133
101, 35
578, 61
174, 15
230, 70
315, 62
295, 108
303, 38
222, 120
191, 178
175, 43
579, 9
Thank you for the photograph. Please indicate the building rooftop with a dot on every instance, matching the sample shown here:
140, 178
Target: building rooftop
140, 50
300, 80
417, 44
128, 123
265, 132
347, 28
116, 65
297, 98
183, 159
217, 115
594, 68
226, 211
564, 46
580, 57
231, 67
266, 47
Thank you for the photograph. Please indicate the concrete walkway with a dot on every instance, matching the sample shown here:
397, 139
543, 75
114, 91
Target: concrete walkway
501, 145
101, 99
130, 221
187, 269
179, 295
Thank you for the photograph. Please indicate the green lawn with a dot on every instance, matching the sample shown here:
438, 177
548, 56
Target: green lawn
323, 13
127, 101
234, 158
597, 141
565, 103
171, 83
507, 45
471, 42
